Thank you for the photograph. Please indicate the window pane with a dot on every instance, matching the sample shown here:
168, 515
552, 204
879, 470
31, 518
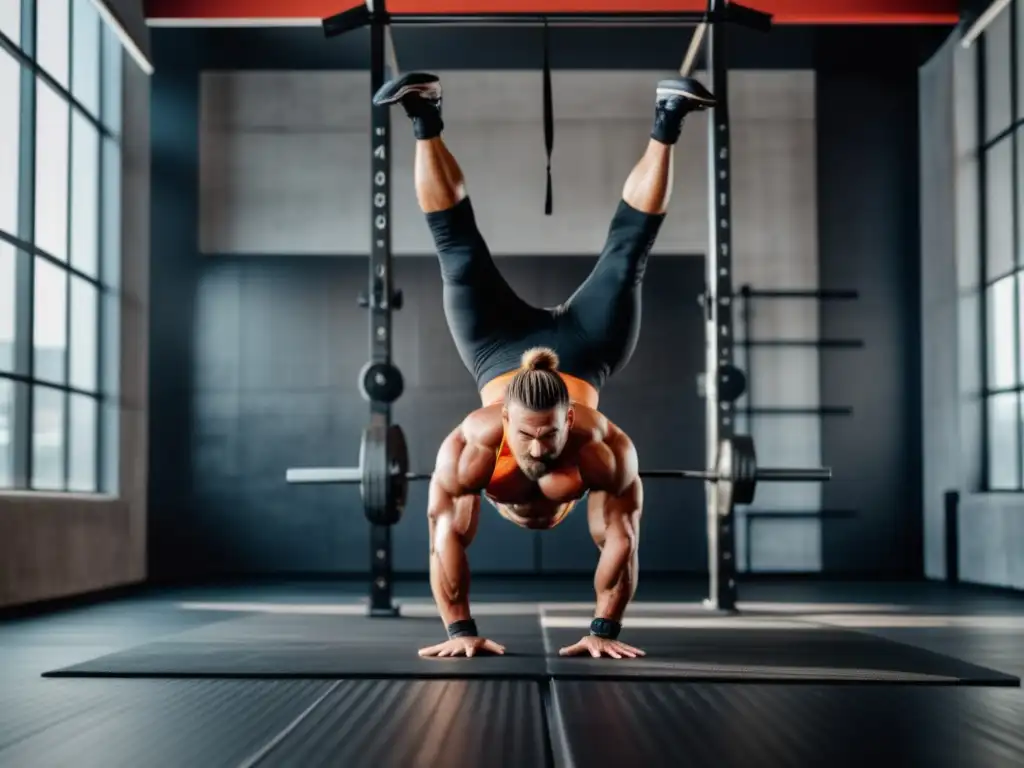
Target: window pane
112, 80
53, 38
111, 213
1003, 411
8, 302
52, 117
6, 433
47, 439
998, 207
997, 75
82, 453
85, 214
84, 334
50, 321
1002, 344
85, 51
10, 133
10, 19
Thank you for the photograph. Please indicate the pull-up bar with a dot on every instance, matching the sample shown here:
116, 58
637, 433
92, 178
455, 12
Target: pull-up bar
362, 16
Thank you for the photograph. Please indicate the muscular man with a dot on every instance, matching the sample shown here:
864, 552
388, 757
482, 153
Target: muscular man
538, 444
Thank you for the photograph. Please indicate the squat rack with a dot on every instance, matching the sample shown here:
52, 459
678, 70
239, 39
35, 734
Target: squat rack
382, 298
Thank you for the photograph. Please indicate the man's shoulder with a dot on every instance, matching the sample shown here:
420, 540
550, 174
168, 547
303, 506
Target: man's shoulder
594, 426
483, 426
606, 455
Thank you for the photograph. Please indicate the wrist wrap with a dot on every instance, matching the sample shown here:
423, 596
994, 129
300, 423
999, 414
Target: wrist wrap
463, 628
606, 628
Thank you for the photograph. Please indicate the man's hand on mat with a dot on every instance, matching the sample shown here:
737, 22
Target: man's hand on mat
463, 646
600, 646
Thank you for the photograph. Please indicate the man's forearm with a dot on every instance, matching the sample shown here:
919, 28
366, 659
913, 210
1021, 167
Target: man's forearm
615, 580
449, 573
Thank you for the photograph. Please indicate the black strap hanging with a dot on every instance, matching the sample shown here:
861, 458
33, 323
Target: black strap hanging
549, 117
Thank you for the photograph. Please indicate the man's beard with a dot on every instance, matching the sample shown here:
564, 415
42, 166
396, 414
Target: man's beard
535, 469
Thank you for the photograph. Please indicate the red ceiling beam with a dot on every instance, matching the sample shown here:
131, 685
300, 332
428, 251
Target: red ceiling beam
784, 11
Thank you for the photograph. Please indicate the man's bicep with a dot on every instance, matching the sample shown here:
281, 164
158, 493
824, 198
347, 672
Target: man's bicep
627, 464
626, 502
615, 514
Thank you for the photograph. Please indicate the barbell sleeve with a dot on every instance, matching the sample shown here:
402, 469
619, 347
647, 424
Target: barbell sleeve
338, 475
325, 475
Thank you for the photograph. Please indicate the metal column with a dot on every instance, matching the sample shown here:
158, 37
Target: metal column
380, 296
718, 315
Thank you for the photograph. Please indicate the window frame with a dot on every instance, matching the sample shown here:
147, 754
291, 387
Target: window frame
105, 281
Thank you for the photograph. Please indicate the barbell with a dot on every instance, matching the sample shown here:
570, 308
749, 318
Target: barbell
383, 473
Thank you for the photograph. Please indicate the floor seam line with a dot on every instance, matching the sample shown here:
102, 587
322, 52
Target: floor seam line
271, 745
555, 733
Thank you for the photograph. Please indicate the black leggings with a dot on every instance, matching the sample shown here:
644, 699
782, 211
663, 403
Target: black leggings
594, 332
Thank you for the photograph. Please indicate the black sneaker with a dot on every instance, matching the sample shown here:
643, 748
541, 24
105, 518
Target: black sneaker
674, 99
420, 95
420, 85
683, 93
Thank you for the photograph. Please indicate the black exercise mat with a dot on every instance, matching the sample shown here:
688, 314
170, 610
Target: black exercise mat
785, 652
322, 646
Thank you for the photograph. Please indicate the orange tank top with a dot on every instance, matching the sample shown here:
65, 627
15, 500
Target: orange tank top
503, 479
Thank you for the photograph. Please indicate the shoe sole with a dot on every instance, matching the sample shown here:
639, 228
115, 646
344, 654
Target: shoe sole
430, 91
685, 94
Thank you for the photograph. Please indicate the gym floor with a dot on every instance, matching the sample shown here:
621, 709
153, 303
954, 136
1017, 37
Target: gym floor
257, 715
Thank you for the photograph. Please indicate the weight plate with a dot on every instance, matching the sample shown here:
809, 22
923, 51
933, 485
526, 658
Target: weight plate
732, 383
398, 467
744, 468
381, 382
373, 459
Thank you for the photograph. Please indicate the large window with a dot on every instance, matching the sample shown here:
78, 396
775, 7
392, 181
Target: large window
60, 166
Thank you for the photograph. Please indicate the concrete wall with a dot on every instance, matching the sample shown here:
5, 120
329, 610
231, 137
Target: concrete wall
869, 239
940, 161
284, 170
59, 545
285, 166
991, 525
279, 344
859, 215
